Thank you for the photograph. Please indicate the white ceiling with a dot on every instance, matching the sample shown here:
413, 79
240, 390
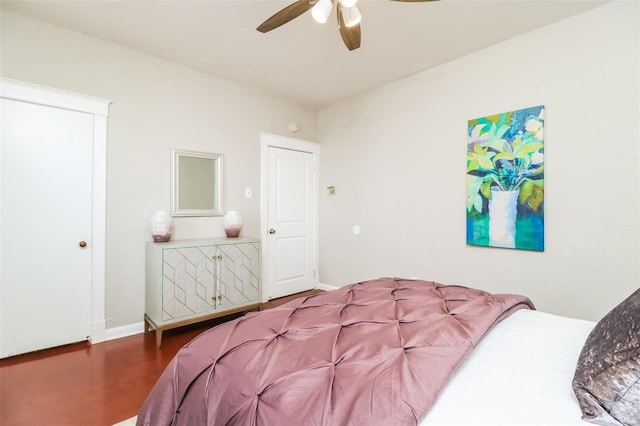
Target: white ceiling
303, 61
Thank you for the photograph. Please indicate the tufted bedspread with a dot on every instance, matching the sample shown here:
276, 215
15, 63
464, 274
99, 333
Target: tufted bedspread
372, 353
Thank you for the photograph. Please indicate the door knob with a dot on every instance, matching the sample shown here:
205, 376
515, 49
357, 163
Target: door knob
272, 231
82, 244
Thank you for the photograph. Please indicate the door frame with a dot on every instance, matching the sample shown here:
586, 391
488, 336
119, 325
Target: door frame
267, 141
99, 108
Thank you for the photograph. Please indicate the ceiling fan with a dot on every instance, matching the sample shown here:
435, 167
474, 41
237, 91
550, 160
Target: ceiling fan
347, 12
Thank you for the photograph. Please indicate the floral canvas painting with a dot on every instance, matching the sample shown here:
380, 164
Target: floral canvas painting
505, 180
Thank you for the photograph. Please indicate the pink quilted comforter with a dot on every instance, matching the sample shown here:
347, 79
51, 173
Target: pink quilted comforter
373, 353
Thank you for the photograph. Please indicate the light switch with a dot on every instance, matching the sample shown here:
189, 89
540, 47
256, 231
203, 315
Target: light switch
247, 192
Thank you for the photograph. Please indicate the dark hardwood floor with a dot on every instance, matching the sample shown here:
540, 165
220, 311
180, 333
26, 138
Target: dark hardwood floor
84, 384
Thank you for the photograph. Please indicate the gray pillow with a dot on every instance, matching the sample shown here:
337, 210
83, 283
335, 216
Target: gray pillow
607, 377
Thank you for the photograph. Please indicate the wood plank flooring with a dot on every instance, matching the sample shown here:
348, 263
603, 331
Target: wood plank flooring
84, 384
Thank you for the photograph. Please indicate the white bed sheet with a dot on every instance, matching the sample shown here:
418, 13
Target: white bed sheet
518, 375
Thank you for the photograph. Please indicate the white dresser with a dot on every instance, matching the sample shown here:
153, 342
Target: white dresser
189, 281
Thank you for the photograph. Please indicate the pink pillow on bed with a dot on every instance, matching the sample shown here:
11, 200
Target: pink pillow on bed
607, 377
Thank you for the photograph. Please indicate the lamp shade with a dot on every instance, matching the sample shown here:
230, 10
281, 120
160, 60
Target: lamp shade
351, 16
321, 11
348, 3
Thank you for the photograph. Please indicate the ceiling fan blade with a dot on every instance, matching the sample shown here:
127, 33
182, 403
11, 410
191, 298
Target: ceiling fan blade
350, 35
285, 15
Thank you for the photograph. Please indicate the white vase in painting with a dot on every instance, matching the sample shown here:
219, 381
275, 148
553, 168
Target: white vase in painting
161, 227
502, 218
232, 224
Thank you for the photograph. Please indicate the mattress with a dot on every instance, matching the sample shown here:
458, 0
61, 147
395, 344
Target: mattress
519, 374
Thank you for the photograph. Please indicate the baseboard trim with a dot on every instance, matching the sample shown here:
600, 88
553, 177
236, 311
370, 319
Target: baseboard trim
326, 287
124, 331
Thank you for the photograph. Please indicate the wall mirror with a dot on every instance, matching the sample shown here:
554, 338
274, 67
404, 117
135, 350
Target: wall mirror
196, 183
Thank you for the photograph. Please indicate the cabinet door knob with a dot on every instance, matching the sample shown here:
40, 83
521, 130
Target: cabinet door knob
220, 297
219, 257
82, 244
272, 231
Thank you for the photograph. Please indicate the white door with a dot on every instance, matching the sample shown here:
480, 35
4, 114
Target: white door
45, 226
291, 255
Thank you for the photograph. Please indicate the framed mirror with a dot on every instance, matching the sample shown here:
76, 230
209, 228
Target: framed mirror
196, 183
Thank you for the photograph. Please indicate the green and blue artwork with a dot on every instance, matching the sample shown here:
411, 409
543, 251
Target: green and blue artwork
505, 180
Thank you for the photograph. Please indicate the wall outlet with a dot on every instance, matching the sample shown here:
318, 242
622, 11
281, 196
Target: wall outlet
331, 190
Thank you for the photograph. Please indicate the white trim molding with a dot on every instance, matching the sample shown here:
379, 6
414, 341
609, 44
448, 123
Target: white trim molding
43, 95
326, 287
124, 331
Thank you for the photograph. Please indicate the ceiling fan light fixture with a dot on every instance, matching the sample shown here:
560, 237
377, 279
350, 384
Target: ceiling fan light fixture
321, 11
348, 3
346, 11
351, 16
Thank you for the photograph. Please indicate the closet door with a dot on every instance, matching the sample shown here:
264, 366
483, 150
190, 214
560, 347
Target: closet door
291, 217
46, 201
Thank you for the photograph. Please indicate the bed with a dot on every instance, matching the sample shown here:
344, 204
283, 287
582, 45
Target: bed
519, 374
394, 351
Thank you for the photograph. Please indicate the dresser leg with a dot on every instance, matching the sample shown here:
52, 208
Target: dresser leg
158, 338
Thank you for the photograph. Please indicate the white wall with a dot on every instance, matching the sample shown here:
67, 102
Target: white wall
157, 105
397, 157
